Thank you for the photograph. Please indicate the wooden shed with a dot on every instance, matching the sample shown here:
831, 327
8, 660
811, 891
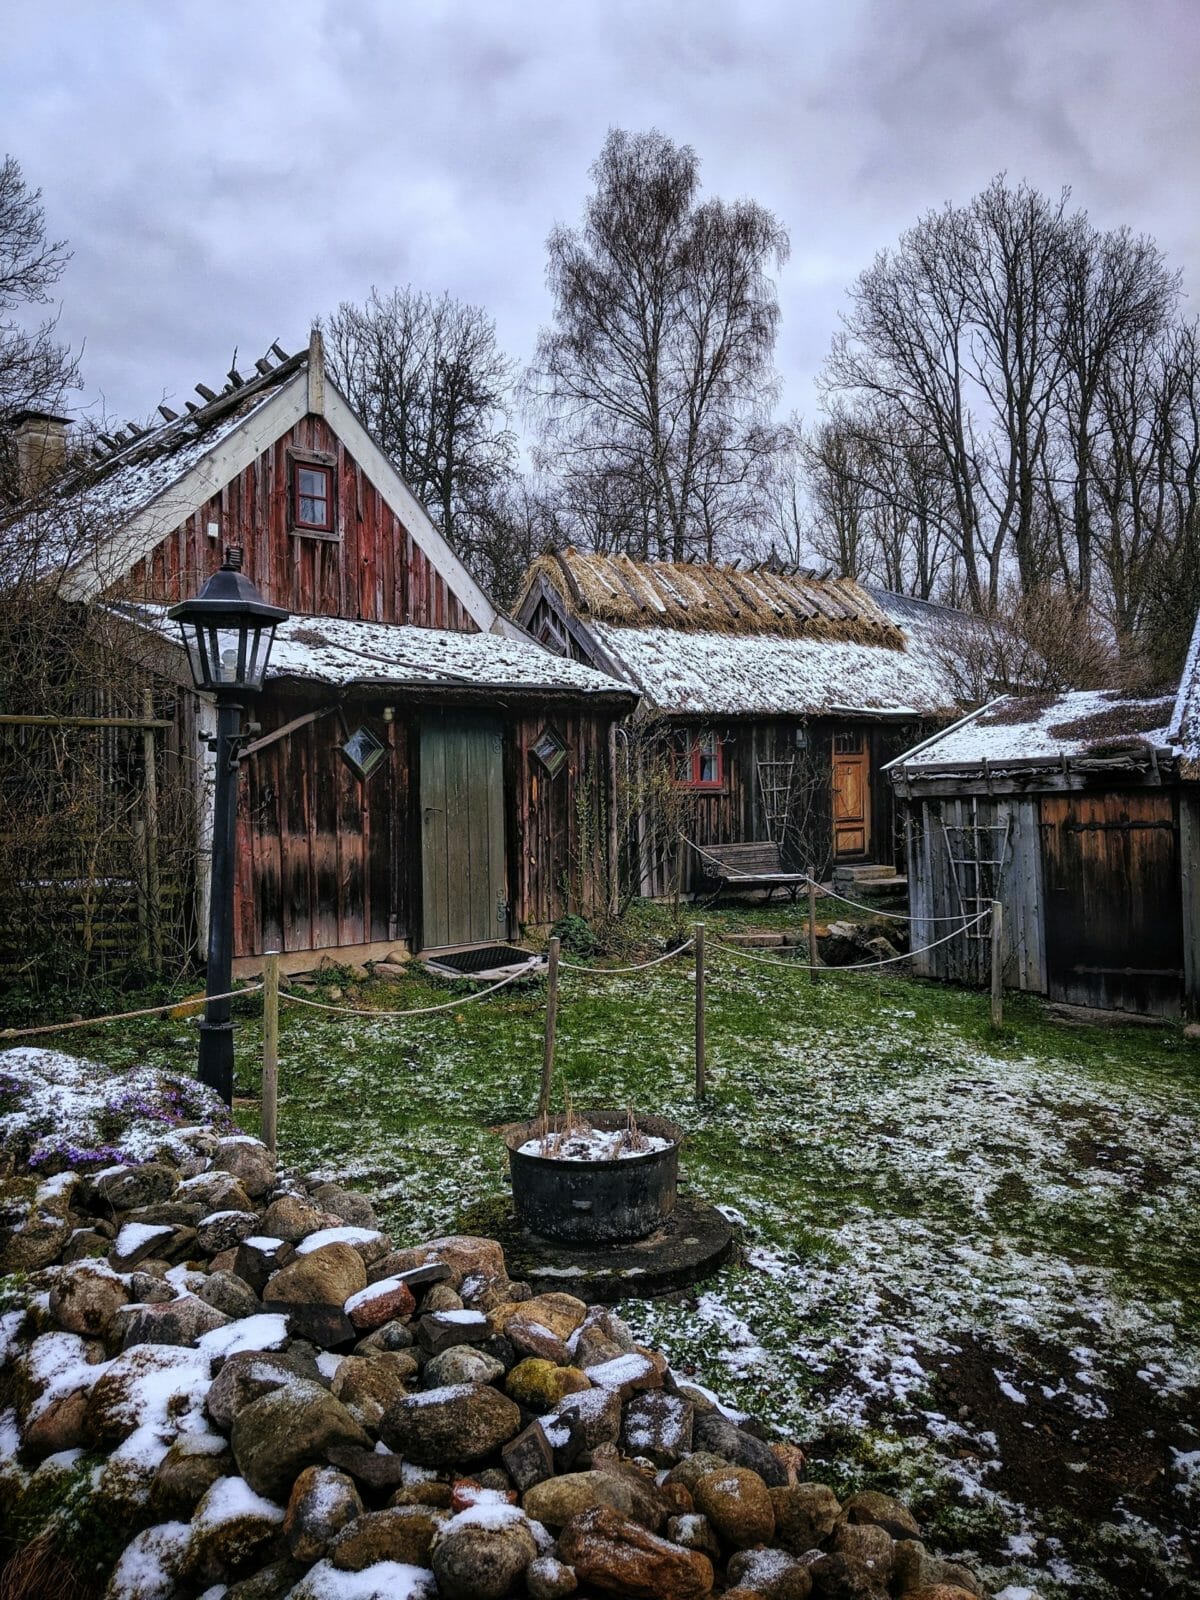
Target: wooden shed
1071, 810
420, 773
779, 698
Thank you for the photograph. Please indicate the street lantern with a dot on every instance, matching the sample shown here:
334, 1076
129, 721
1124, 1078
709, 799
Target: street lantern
228, 631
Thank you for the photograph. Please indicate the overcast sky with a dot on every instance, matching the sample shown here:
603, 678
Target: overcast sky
225, 171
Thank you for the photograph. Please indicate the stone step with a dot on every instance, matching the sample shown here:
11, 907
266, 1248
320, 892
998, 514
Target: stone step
854, 871
759, 939
875, 887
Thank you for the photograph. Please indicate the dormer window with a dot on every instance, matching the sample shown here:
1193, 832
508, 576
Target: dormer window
313, 504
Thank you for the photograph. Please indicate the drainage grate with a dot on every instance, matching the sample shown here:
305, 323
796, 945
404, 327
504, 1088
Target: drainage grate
483, 961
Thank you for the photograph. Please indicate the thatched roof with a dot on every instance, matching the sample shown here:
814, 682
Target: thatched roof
699, 598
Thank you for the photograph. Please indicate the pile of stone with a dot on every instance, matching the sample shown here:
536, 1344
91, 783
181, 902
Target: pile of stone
848, 944
269, 1399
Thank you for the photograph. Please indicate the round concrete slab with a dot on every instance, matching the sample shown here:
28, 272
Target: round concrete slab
693, 1242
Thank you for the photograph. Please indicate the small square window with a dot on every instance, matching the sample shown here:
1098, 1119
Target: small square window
699, 760
312, 497
363, 752
550, 751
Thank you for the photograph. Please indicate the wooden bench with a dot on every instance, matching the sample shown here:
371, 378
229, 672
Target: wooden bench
749, 866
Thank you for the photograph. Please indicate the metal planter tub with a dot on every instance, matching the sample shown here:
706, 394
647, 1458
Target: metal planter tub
594, 1202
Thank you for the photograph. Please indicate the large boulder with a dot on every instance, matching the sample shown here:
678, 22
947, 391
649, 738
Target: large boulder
231, 1526
33, 1223
613, 1554
398, 1533
85, 1297
483, 1553
715, 1433
455, 1426
248, 1375
323, 1500
282, 1432
178, 1321
805, 1514
555, 1501
738, 1504
249, 1160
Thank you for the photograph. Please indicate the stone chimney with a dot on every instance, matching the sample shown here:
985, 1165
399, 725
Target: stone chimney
40, 445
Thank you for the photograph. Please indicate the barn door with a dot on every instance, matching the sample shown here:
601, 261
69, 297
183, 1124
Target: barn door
1114, 924
464, 873
851, 794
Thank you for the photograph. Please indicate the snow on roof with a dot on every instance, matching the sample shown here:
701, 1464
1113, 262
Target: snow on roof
1185, 714
335, 650
720, 674
1050, 727
136, 466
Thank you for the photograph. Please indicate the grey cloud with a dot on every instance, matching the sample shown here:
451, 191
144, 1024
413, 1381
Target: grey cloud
226, 172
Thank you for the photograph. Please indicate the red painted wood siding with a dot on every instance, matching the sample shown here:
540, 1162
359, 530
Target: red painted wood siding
372, 572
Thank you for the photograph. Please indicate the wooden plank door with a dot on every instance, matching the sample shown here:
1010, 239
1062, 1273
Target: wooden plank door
851, 795
1114, 922
464, 869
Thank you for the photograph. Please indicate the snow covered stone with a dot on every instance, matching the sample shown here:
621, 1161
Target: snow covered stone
223, 1230
150, 1564
451, 1427
138, 1241
250, 1162
232, 1524
370, 1244
248, 1375
321, 1503
275, 1437
263, 1331
658, 1426
386, 1301
179, 1321
84, 1298
387, 1580
482, 1553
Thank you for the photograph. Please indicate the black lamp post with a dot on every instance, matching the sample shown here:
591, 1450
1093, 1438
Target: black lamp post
228, 631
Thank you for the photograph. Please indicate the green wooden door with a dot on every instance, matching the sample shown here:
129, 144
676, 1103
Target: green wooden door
464, 874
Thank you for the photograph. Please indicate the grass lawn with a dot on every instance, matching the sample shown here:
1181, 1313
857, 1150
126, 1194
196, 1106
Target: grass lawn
970, 1262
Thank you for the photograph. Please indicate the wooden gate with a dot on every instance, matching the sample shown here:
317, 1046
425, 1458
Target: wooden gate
851, 794
464, 870
1113, 914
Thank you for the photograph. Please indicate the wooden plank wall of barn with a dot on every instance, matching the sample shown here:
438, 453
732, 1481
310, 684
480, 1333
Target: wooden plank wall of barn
373, 572
559, 826
326, 861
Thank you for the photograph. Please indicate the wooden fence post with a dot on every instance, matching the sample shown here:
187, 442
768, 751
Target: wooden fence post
997, 964
814, 959
270, 1061
551, 1028
153, 883
701, 1087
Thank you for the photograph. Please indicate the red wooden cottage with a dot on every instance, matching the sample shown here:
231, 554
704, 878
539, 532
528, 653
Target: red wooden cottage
415, 779
780, 699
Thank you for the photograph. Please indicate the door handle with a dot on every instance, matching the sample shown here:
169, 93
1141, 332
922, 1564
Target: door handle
432, 811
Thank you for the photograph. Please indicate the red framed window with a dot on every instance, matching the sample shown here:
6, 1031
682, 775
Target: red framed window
699, 760
312, 497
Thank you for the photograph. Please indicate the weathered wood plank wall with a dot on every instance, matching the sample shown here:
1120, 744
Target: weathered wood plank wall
374, 571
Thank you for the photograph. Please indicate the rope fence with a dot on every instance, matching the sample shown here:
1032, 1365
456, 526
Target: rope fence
862, 966
128, 1016
273, 994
